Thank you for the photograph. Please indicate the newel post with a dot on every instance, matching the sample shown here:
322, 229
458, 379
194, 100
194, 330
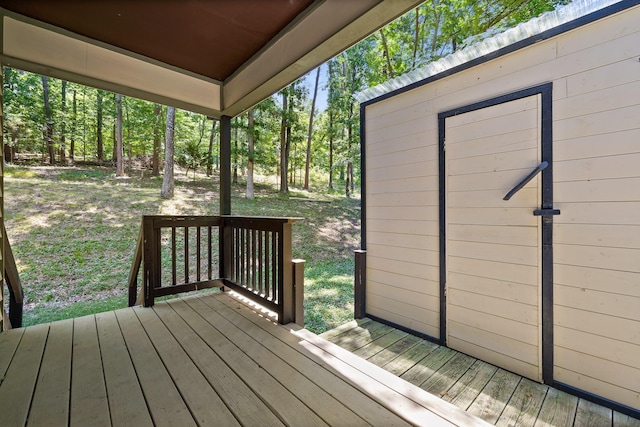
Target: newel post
151, 260
298, 291
285, 284
360, 285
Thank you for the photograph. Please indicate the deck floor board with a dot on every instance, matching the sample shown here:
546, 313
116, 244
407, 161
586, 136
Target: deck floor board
210, 359
495, 395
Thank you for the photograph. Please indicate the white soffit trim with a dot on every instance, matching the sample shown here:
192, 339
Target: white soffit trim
36, 45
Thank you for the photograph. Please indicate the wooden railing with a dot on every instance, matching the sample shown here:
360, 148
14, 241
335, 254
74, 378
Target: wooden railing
249, 255
14, 284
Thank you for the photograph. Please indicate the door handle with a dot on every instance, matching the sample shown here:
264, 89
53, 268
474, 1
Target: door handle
542, 166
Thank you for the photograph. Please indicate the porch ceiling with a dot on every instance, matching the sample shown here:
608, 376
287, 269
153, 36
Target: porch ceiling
217, 57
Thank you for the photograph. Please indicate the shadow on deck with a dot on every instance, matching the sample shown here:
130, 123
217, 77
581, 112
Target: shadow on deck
483, 390
208, 359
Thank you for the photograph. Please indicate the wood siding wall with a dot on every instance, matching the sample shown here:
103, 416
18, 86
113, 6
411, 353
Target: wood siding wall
595, 71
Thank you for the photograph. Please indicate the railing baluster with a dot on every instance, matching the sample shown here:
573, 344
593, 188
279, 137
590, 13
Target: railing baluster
210, 255
173, 256
198, 257
236, 245
267, 247
186, 254
274, 267
260, 261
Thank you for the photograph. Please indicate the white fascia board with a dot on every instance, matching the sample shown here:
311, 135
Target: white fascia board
44, 49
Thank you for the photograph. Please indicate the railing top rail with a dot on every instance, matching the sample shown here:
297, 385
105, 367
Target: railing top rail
262, 218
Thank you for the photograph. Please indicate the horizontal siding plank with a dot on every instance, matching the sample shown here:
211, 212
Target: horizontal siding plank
414, 169
427, 139
623, 353
515, 253
401, 267
499, 271
506, 327
417, 227
606, 325
514, 141
399, 253
604, 302
597, 168
493, 343
597, 387
601, 123
506, 361
400, 158
487, 116
408, 213
417, 198
623, 259
492, 234
498, 162
594, 147
620, 282
526, 294
594, 90
527, 197
428, 287
407, 309
598, 213
607, 235
599, 190
499, 307
519, 217
502, 181
408, 185
420, 299
398, 240
625, 377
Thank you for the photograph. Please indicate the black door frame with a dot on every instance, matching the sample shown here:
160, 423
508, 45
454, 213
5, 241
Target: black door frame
546, 211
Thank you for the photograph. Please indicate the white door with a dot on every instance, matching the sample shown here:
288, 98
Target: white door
493, 249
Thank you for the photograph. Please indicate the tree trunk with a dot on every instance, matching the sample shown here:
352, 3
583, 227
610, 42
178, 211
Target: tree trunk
284, 151
119, 145
210, 153
157, 111
63, 133
235, 152
72, 145
390, 74
167, 182
100, 143
48, 134
311, 114
250, 160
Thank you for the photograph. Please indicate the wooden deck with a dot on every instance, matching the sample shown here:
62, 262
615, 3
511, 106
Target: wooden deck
483, 390
199, 360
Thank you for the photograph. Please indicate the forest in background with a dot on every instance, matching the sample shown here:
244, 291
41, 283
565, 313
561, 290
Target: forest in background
287, 136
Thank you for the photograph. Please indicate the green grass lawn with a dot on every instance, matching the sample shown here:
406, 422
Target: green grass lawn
73, 231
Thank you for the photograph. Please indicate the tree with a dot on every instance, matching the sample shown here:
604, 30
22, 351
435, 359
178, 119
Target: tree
48, 120
63, 124
74, 119
311, 114
100, 143
167, 182
285, 143
250, 157
119, 145
210, 151
157, 112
